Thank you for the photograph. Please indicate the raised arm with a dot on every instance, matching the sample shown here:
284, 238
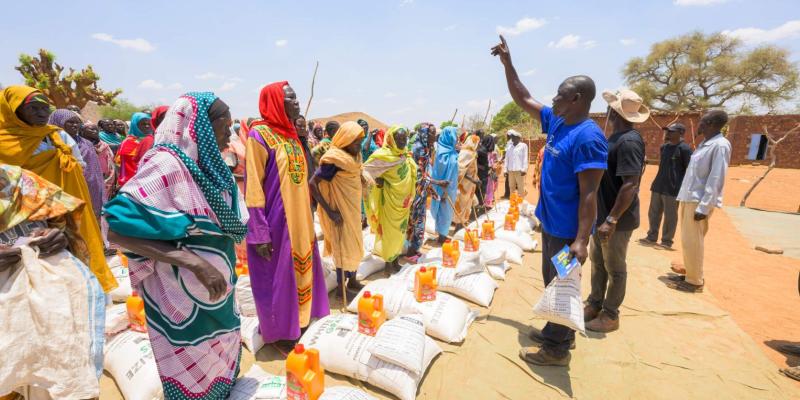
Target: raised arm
518, 91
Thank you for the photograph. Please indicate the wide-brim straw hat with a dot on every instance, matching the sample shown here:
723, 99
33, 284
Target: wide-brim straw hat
627, 104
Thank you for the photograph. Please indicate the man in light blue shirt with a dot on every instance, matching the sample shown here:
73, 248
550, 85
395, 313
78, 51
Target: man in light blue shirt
701, 192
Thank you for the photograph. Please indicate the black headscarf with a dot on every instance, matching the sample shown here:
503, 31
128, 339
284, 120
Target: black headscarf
218, 109
484, 148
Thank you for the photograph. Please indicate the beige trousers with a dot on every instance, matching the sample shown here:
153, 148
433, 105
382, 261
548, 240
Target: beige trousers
693, 234
516, 183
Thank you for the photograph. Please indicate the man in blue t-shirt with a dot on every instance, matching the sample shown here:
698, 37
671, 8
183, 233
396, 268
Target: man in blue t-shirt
574, 160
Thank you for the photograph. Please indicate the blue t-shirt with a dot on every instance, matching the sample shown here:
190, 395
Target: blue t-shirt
570, 149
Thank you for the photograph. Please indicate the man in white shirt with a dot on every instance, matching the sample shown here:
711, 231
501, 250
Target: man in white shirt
516, 163
701, 192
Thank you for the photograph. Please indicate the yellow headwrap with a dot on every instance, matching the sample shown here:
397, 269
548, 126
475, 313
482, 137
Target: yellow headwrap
18, 141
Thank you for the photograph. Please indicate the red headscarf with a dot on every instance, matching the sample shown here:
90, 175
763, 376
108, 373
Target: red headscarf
273, 112
379, 137
157, 116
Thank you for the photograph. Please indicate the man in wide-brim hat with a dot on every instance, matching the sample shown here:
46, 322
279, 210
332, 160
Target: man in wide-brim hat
617, 210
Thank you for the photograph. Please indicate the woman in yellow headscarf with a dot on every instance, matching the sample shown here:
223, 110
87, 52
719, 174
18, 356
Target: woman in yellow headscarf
27, 141
467, 180
336, 186
394, 174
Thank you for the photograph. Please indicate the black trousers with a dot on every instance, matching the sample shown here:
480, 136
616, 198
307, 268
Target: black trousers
557, 337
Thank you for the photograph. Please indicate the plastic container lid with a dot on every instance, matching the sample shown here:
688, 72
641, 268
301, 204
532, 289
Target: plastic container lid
299, 348
422, 269
134, 293
367, 294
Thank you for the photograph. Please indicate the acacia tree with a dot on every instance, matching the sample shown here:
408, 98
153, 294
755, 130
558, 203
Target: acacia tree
698, 71
70, 88
511, 116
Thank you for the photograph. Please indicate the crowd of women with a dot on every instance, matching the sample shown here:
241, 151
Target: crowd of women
163, 188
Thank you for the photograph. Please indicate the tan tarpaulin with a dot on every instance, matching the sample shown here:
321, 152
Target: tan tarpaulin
671, 345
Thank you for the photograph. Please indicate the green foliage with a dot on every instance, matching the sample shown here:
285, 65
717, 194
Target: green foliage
511, 116
119, 109
445, 124
63, 88
698, 71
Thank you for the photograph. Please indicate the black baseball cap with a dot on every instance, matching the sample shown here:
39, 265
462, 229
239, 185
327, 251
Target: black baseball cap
676, 127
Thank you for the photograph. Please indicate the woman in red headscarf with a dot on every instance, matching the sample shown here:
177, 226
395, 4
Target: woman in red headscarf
285, 267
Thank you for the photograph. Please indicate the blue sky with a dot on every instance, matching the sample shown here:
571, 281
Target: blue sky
402, 61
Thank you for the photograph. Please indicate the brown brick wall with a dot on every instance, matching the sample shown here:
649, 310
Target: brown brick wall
739, 130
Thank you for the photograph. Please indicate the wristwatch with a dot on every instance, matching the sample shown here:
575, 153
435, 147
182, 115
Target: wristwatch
611, 220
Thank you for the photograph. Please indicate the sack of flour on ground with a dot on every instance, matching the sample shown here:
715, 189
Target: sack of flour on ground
130, 361
123, 291
259, 384
345, 393
432, 256
343, 350
244, 297
561, 302
498, 271
398, 342
318, 231
250, 337
447, 318
490, 249
369, 266
478, 288
493, 254
116, 319
469, 263
369, 243
330, 279
430, 223
524, 240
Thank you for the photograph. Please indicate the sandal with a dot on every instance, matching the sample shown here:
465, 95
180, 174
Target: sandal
792, 372
678, 269
677, 278
687, 287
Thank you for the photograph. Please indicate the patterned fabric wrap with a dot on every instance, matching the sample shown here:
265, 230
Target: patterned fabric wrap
388, 206
422, 156
196, 341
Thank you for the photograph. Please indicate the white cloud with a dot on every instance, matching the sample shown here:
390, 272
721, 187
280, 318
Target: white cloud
627, 41
227, 86
404, 3
208, 75
137, 44
572, 42
450, 27
788, 30
529, 72
524, 25
691, 3
153, 84
390, 95
281, 43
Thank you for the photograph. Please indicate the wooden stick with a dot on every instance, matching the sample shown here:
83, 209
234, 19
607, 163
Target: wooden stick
313, 81
773, 145
487, 112
454, 115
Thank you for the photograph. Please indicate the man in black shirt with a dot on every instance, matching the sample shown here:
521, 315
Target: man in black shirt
675, 156
617, 210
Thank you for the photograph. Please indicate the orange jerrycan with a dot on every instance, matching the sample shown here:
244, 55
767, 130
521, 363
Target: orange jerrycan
305, 378
136, 318
371, 314
425, 284
242, 269
487, 230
